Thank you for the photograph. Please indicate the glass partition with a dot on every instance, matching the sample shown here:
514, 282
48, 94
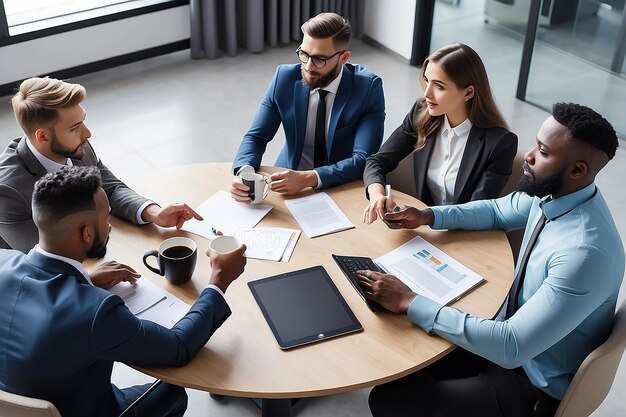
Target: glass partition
578, 53
579, 57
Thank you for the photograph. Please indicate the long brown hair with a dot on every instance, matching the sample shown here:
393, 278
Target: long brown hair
464, 68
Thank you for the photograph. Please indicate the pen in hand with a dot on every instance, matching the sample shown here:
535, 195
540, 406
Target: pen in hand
388, 196
394, 210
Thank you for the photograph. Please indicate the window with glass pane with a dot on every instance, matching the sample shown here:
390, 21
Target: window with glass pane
20, 12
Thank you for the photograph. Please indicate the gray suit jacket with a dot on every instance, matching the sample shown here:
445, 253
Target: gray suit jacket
20, 169
485, 166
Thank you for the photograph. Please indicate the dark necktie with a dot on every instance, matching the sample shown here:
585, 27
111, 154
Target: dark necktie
519, 277
319, 156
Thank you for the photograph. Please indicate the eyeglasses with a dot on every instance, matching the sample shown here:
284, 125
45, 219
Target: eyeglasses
318, 61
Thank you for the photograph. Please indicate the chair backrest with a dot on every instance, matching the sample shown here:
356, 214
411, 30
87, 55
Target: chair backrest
515, 236
13, 405
595, 376
516, 174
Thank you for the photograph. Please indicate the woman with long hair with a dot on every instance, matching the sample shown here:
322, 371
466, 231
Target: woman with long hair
463, 148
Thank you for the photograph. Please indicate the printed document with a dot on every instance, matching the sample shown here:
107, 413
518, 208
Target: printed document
148, 301
318, 215
221, 212
269, 243
429, 272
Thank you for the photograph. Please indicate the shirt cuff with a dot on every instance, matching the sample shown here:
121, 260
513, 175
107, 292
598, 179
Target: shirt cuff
423, 312
319, 181
437, 219
138, 219
216, 288
245, 168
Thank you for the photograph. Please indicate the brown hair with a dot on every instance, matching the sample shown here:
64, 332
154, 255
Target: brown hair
328, 25
464, 68
35, 104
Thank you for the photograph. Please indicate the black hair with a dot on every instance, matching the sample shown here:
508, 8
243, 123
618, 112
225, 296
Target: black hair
588, 126
66, 191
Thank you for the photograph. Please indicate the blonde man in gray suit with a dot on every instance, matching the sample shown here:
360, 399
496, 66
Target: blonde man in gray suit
53, 120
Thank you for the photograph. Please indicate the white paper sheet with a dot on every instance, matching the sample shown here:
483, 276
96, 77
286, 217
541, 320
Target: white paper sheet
318, 215
139, 296
269, 243
167, 312
148, 301
429, 271
221, 212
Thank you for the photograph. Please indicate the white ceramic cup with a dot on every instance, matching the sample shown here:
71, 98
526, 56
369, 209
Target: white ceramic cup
259, 185
224, 244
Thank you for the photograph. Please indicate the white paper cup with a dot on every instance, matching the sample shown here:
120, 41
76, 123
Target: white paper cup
224, 244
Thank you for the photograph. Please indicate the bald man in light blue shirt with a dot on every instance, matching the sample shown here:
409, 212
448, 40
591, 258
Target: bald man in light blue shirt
523, 363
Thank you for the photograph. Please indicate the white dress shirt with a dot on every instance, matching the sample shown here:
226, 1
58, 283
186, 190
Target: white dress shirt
308, 150
445, 161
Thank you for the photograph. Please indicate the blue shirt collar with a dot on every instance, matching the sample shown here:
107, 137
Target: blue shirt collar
553, 208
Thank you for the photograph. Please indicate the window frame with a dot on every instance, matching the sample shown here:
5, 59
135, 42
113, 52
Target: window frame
78, 23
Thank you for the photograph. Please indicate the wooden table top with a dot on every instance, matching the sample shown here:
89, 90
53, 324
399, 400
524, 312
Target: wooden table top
242, 358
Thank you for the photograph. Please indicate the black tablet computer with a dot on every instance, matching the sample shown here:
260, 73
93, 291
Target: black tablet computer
303, 307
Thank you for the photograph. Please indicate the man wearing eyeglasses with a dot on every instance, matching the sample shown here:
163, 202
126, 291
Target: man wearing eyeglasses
332, 113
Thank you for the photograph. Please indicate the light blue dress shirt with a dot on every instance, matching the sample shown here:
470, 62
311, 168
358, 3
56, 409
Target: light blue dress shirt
567, 301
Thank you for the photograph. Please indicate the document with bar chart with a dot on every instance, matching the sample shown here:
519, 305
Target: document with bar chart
429, 271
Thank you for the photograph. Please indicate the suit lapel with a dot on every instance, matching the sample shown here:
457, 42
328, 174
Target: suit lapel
54, 266
31, 162
421, 161
343, 94
473, 150
301, 109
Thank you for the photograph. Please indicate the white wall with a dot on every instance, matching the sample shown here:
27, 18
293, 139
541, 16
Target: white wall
390, 23
91, 44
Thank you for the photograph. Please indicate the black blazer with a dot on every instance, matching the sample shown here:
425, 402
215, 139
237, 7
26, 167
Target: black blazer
485, 166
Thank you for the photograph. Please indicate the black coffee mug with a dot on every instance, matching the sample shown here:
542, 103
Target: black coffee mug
176, 258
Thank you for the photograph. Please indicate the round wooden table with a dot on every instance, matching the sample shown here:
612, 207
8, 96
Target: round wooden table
243, 359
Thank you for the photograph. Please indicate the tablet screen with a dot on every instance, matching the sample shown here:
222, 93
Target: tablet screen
303, 306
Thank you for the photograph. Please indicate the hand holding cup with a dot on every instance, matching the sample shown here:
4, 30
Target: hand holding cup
227, 260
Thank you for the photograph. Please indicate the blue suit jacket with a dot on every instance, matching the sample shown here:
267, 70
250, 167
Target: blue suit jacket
59, 335
355, 129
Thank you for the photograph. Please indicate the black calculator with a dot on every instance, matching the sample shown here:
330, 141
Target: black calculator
349, 265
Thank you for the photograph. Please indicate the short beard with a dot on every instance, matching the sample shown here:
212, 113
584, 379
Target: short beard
321, 82
99, 248
58, 149
540, 187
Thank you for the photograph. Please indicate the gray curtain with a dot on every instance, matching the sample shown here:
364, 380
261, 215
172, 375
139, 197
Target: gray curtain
223, 26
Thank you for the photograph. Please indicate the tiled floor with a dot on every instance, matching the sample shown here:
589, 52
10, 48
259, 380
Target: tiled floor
171, 110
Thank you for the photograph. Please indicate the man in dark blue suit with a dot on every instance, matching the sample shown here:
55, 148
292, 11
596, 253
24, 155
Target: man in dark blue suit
332, 113
60, 335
